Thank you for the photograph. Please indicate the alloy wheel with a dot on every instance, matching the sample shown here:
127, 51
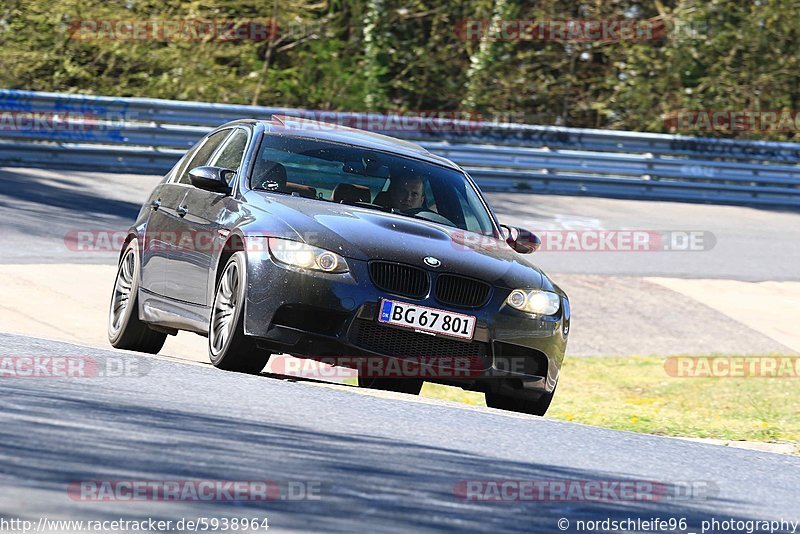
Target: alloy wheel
123, 289
224, 313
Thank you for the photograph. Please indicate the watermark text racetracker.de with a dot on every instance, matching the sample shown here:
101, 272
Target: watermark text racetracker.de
405, 367
173, 30
104, 240
580, 30
191, 490
598, 240
66, 124
733, 120
732, 366
571, 490
394, 122
563, 30
49, 366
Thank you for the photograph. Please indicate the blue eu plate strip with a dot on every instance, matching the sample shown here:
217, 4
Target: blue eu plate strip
386, 311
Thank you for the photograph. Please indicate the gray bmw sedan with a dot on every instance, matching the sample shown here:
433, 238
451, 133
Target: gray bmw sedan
324, 242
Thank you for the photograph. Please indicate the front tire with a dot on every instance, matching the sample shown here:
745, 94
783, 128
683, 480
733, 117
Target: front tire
514, 404
125, 329
228, 347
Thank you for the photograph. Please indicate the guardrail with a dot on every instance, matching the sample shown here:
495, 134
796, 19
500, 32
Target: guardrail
143, 135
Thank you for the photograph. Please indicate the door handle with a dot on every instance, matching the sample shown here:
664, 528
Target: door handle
182, 210
154, 205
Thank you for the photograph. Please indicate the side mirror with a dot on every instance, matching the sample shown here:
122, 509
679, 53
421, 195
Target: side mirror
211, 179
521, 240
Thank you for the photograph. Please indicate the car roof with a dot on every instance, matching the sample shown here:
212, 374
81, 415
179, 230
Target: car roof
300, 127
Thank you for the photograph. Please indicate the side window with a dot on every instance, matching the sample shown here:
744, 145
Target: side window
172, 175
232, 152
470, 205
203, 153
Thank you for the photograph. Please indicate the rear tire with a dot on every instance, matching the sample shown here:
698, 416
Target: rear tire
513, 404
228, 348
125, 329
410, 386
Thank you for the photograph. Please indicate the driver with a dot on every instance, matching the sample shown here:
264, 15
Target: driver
406, 194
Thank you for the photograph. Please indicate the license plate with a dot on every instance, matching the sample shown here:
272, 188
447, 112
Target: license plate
426, 320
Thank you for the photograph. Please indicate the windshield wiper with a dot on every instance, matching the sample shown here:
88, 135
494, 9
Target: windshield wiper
369, 205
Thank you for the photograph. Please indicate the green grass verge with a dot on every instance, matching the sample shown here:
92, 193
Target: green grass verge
636, 394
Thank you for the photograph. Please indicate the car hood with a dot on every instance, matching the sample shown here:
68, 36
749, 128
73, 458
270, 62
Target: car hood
367, 234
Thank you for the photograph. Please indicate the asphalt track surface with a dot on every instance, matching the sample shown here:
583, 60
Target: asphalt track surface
382, 462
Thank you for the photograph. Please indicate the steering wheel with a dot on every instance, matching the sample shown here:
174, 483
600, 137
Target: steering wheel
415, 211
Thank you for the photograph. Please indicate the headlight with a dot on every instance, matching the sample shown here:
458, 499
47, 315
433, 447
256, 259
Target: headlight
535, 301
305, 256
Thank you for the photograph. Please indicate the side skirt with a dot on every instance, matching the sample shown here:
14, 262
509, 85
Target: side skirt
172, 313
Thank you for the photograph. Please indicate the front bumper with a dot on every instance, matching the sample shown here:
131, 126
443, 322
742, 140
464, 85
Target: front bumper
320, 315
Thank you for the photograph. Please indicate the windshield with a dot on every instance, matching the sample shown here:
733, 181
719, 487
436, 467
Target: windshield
359, 176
